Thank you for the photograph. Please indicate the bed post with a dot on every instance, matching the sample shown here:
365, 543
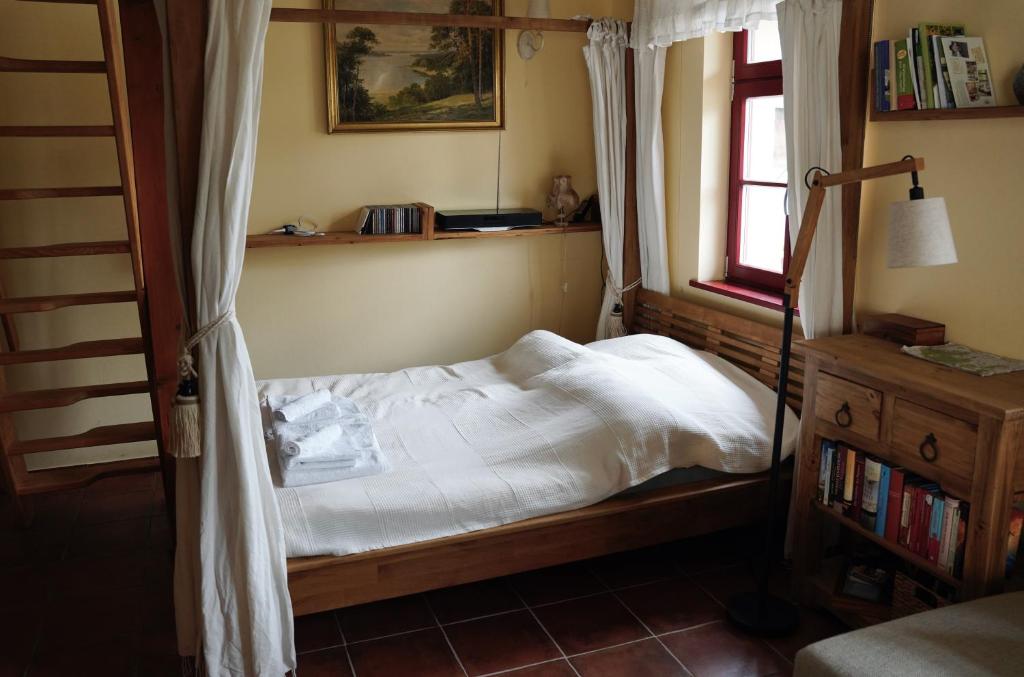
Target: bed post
630, 236
854, 55
144, 79
186, 40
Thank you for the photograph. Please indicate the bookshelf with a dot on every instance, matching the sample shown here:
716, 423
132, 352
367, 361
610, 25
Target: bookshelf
947, 114
865, 393
928, 114
429, 233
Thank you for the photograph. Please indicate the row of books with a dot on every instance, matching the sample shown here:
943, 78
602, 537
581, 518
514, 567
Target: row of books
900, 507
389, 219
935, 66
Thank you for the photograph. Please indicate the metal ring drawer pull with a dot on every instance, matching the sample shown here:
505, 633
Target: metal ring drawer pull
929, 450
844, 417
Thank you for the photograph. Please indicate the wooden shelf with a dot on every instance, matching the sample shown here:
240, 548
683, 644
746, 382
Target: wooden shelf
349, 237
895, 548
948, 114
854, 612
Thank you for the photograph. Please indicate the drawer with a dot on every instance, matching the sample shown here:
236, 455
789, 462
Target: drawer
849, 405
941, 446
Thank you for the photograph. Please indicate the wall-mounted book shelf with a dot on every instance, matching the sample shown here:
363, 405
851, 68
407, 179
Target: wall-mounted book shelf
947, 114
429, 233
916, 115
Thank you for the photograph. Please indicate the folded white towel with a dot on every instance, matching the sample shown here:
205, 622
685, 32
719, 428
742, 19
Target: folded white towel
302, 474
314, 444
302, 406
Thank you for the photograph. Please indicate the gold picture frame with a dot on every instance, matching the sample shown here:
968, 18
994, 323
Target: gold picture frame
419, 88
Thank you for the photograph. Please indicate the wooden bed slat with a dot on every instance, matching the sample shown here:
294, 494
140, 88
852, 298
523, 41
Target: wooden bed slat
751, 346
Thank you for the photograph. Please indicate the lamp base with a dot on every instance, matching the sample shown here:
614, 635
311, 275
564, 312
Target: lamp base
760, 613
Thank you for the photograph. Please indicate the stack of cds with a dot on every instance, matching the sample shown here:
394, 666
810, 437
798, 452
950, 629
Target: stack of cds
389, 219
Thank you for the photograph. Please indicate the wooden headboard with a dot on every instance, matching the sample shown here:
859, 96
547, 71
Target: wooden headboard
751, 346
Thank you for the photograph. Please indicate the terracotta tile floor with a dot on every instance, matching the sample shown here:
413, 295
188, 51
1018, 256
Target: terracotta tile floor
87, 591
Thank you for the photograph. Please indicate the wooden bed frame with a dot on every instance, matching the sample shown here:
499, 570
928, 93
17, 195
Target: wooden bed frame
620, 523
617, 524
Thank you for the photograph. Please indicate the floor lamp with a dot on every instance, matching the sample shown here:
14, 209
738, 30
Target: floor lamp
919, 235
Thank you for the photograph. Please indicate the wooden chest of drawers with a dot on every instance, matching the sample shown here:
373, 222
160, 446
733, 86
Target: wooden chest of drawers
963, 431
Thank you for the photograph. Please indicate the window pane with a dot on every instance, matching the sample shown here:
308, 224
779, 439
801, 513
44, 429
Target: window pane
764, 146
763, 43
763, 228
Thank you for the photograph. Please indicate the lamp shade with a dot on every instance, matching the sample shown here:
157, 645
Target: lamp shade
538, 9
919, 234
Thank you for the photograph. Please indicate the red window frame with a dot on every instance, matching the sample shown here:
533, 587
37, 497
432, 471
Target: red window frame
750, 80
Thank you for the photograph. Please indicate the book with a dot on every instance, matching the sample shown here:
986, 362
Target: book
1013, 540
882, 75
906, 510
836, 482
850, 464
935, 528
858, 485
925, 31
883, 500
904, 85
824, 471
949, 518
919, 67
894, 505
869, 492
941, 75
929, 493
912, 57
961, 540
968, 72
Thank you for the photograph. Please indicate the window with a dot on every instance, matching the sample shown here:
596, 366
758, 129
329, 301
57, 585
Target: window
757, 248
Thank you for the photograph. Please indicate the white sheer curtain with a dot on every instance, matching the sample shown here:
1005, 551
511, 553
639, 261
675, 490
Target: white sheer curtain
649, 71
662, 22
606, 63
237, 613
656, 25
810, 71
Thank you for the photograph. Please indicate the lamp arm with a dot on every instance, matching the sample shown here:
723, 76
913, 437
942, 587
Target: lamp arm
812, 212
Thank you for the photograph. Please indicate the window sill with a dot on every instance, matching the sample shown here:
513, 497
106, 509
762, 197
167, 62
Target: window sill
758, 297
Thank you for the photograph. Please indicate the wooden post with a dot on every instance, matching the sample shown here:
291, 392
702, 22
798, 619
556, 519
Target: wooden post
854, 56
631, 235
161, 309
186, 29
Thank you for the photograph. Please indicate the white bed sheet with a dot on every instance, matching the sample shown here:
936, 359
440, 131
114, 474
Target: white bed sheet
546, 426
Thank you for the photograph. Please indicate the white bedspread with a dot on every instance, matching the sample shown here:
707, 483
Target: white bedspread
546, 426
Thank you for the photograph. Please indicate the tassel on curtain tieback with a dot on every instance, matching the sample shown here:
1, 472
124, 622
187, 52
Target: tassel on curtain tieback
616, 327
185, 434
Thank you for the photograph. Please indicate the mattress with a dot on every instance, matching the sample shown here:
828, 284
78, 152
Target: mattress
543, 427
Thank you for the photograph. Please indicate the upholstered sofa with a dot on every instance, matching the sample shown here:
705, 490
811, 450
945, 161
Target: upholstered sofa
982, 637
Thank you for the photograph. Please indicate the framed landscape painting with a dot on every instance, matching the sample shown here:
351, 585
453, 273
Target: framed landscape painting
395, 78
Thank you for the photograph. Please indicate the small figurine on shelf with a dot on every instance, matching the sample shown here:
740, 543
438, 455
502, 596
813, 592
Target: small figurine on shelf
563, 199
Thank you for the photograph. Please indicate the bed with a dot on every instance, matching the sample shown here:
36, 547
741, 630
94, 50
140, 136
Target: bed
530, 458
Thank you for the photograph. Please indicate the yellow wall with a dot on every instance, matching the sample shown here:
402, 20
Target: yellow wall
975, 165
384, 306
315, 310
978, 166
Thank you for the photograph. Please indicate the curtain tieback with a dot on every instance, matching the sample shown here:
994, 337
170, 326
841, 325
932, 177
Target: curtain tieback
616, 327
184, 436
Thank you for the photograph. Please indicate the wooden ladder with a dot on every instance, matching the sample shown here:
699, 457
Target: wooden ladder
18, 480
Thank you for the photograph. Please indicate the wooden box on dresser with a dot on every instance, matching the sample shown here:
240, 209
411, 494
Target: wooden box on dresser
963, 431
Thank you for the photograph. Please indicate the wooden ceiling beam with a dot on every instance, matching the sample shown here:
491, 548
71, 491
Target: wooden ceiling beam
345, 16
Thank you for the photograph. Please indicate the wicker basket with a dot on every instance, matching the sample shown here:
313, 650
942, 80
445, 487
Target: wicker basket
910, 597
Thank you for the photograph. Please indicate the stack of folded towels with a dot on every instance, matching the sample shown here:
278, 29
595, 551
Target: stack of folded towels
321, 438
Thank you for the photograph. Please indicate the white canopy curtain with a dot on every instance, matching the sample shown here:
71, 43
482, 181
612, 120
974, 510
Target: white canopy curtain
606, 63
656, 25
810, 72
231, 588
